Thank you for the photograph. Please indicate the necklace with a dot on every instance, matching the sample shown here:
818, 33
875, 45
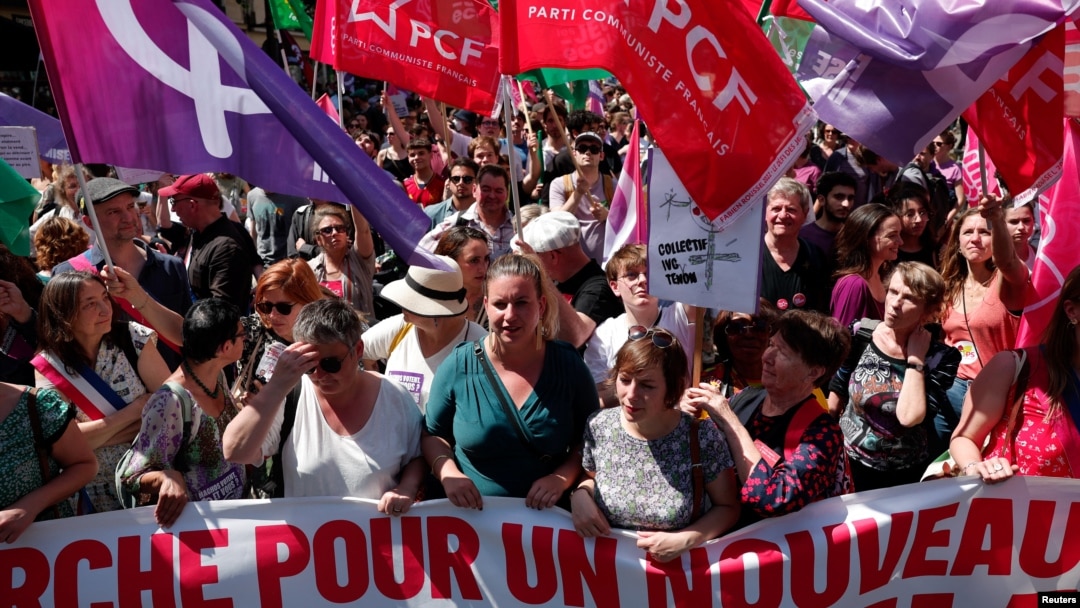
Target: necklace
212, 394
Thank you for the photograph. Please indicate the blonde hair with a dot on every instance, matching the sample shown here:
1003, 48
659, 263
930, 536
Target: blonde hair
528, 266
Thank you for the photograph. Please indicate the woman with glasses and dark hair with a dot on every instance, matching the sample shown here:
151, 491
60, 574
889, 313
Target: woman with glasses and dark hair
177, 455
740, 341
681, 490
805, 459
346, 264
506, 412
893, 382
354, 432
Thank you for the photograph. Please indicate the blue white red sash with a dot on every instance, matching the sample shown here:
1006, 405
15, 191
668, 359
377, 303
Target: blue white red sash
87, 390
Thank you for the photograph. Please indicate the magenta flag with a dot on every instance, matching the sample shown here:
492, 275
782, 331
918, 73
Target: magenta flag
626, 223
1059, 214
175, 86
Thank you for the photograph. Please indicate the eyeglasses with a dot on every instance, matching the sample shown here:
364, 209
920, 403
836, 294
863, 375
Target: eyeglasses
630, 277
330, 365
736, 328
283, 308
173, 202
462, 179
584, 149
328, 230
661, 338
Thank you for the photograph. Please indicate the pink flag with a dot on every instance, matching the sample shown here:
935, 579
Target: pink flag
327, 106
626, 223
1059, 214
971, 174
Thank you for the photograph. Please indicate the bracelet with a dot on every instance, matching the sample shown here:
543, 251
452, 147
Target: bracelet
435, 462
144, 303
968, 466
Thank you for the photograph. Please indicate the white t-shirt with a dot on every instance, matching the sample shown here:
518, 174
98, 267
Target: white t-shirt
609, 337
407, 365
319, 462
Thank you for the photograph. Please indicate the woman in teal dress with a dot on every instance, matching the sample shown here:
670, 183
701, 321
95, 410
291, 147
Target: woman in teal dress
24, 495
506, 414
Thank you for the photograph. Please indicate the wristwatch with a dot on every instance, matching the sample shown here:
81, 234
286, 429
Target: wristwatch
919, 367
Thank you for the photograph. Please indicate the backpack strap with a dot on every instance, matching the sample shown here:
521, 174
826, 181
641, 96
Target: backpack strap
609, 188
398, 338
696, 469
180, 463
807, 413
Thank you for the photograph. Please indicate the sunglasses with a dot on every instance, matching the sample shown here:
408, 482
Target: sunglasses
462, 179
283, 308
937, 144
328, 230
583, 149
736, 328
330, 365
661, 338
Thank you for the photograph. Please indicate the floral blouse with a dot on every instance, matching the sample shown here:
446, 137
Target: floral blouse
209, 475
19, 465
809, 476
648, 484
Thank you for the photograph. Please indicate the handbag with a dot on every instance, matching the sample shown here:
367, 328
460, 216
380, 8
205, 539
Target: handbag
180, 463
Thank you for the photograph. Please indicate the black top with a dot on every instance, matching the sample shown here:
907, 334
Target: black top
590, 294
221, 261
806, 285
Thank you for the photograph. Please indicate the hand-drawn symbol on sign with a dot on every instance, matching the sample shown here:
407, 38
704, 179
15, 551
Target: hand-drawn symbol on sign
710, 254
201, 82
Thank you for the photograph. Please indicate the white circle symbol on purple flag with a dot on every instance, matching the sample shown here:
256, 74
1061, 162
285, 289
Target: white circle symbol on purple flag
202, 83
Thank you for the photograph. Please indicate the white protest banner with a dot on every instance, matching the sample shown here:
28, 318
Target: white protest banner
696, 261
19, 148
948, 543
135, 177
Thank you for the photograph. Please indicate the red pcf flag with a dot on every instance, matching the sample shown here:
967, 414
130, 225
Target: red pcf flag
713, 92
440, 49
1019, 118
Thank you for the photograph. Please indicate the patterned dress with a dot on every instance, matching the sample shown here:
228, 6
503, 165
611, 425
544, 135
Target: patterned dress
647, 484
19, 465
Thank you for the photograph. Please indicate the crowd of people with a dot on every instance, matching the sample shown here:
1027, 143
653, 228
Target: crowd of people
215, 341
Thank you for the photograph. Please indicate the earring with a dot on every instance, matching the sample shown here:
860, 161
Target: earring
1072, 322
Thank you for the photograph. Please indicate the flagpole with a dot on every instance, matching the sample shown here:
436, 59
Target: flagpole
277, 37
982, 169
79, 176
340, 98
524, 108
314, 77
515, 164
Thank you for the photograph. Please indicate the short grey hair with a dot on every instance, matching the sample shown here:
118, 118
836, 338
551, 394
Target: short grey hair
790, 188
328, 321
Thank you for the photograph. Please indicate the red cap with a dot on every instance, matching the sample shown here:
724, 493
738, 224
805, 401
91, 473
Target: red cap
199, 185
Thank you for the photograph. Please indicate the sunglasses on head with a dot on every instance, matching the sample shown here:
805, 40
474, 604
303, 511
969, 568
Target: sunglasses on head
328, 230
283, 308
661, 338
735, 328
330, 365
465, 179
588, 149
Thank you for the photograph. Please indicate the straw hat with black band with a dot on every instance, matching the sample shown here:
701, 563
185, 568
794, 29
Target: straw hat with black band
430, 293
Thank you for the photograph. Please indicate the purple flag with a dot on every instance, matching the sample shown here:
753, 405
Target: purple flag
52, 146
920, 63
175, 86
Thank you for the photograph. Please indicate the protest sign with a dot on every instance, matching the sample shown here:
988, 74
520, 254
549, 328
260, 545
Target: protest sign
695, 260
19, 149
945, 543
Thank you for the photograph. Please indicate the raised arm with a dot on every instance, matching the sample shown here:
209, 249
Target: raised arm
1013, 270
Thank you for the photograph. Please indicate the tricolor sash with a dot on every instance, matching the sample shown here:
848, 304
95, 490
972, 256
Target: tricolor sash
87, 390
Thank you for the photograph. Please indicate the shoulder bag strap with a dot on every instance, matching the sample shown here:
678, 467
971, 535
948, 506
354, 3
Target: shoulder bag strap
180, 463
40, 448
478, 350
696, 469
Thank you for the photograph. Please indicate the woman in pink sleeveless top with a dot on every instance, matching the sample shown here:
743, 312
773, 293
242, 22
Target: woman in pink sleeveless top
1038, 434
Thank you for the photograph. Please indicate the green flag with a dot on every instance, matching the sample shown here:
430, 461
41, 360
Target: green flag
17, 200
550, 77
290, 15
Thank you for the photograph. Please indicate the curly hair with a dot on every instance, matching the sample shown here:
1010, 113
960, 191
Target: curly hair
59, 239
